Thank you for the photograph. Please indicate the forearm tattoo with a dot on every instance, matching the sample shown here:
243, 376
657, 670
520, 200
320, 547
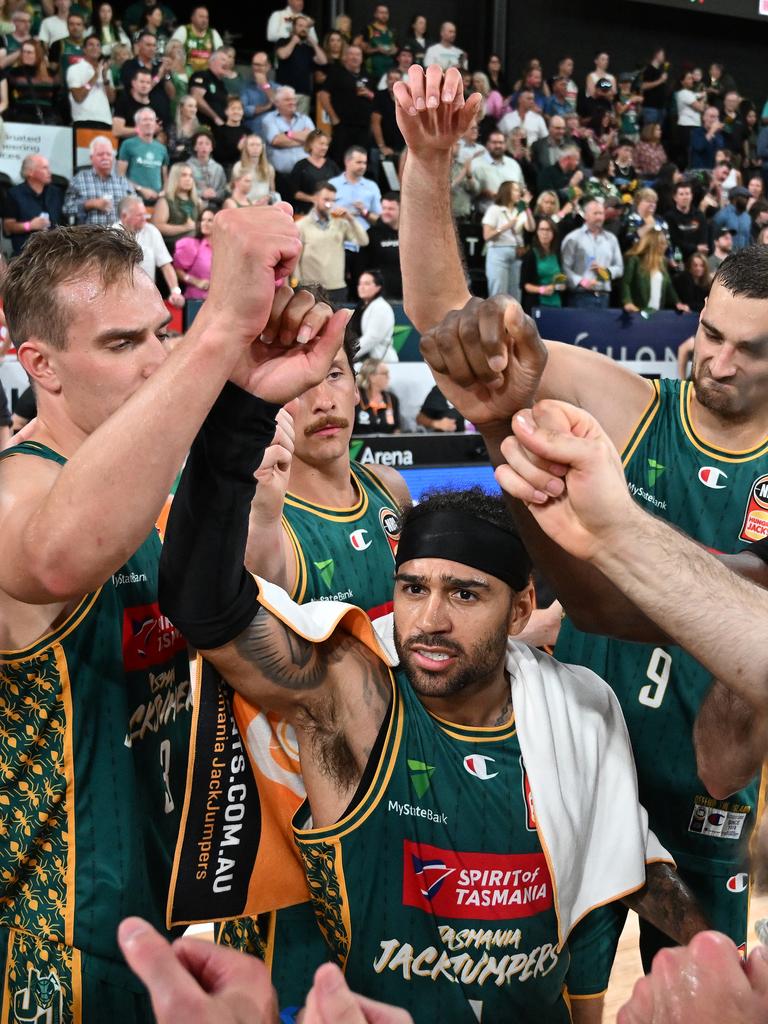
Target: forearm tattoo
667, 902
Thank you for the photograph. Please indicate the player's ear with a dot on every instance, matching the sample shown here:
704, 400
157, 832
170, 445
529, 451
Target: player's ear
39, 360
523, 603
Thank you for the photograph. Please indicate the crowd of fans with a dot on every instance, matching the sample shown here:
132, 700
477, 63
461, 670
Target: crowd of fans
586, 187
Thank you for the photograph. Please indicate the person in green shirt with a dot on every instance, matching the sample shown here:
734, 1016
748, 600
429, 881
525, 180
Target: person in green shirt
646, 285
541, 275
378, 43
143, 160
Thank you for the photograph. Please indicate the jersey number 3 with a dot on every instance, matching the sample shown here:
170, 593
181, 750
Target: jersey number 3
659, 668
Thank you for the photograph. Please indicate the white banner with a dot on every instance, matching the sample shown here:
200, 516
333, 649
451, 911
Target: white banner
21, 139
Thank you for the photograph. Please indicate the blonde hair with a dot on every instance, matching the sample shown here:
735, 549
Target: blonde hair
650, 250
172, 188
260, 168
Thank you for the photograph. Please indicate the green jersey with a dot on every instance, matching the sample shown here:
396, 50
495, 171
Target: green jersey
721, 499
345, 554
414, 914
340, 554
93, 747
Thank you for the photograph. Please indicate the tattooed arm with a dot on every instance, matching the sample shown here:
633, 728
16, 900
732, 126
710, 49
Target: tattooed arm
667, 902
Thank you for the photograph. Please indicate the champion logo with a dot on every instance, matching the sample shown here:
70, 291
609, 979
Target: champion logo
711, 476
477, 765
737, 883
430, 875
358, 540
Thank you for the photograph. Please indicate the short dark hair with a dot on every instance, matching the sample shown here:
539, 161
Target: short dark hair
473, 501
375, 273
683, 183
320, 186
144, 34
140, 71
391, 197
204, 133
53, 258
354, 149
744, 272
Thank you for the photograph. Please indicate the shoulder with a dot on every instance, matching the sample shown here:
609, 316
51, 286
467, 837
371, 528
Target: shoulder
394, 483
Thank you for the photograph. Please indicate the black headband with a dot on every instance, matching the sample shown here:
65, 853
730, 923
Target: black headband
461, 537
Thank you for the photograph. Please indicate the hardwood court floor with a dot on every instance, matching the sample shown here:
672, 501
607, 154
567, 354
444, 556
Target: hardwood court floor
627, 969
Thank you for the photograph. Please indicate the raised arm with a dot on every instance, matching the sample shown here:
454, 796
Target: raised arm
432, 115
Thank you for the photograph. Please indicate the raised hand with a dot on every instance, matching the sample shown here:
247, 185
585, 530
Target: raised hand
564, 467
431, 111
273, 474
294, 349
487, 359
197, 981
253, 248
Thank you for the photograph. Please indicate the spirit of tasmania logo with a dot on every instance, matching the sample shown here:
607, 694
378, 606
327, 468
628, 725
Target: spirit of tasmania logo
149, 637
484, 886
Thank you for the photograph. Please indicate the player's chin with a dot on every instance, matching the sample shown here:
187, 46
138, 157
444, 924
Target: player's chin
434, 684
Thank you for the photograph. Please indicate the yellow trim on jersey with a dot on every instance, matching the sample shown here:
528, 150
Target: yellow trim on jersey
572, 997
338, 515
338, 864
73, 620
191, 758
69, 773
77, 987
713, 450
376, 482
380, 781
641, 427
300, 584
494, 733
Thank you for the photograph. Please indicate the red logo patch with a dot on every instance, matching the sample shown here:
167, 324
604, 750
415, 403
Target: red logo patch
484, 886
149, 637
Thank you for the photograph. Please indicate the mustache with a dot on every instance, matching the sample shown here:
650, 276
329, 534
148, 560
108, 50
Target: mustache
434, 640
323, 422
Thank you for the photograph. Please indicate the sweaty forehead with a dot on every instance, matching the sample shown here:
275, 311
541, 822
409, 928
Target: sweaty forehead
445, 571
736, 317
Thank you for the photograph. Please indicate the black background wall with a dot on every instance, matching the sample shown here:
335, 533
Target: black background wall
550, 28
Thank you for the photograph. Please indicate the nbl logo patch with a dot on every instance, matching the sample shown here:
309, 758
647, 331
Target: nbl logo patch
755, 525
390, 524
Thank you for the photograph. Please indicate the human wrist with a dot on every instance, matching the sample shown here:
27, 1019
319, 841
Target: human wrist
27, 226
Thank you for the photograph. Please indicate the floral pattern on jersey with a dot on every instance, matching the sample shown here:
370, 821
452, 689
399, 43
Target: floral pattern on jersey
243, 933
38, 980
33, 792
321, 865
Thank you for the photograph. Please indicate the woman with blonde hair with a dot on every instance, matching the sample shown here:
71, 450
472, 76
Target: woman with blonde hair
378, 411
239, 188
253, 159
184, 128
177, 211
504, 224
646, 284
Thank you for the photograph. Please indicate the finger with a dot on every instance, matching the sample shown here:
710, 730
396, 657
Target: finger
453, 86
416, 82
285, 432
563, 448
283, 296
516, 486
275, 457
430, 353
302, 318
171, 987
283, 207
335, 1002
433, 86
494, 339
404, 99
536, 474
322, 350
639, 1009
450, 347
468, 110
757, 971
244, 979
524, 334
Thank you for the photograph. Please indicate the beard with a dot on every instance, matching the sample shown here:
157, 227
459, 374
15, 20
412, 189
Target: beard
725, 402
480, 662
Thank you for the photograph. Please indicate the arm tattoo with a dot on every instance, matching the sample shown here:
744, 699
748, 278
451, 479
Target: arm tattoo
283, 658
667, 902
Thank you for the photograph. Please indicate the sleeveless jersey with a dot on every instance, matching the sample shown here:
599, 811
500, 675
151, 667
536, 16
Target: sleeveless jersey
345, 554
410, 908
198, 48
94, 723
341, 554
721, 499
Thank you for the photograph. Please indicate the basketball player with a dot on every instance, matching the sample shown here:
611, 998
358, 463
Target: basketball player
694, 452
321, 527
401, 768
94, 686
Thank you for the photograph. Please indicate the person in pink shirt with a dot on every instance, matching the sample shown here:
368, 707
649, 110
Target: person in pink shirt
192, 258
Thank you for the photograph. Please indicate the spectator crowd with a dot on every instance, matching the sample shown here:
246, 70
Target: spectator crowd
585, 187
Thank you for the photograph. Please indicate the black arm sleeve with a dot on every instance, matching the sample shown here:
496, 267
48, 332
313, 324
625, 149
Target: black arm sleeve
204, 588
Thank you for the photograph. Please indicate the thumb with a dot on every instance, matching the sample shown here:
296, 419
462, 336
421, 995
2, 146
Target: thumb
151, 958
757, 970
336, 1003
560, 446
324, 347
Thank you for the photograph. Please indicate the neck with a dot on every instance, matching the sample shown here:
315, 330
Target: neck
36, 186
54, 429
735, 435
318, 161
594, 231
329, 484
375, 394
482, 704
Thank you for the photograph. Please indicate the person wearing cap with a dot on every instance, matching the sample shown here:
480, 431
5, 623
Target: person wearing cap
458, 783
734, 215
723, 246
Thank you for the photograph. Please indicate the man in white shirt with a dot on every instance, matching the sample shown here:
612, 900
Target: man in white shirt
497, 167
280, 24
90, 87
133, 218
533, 124
54, 28
591, 260
445, 53
690, 106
